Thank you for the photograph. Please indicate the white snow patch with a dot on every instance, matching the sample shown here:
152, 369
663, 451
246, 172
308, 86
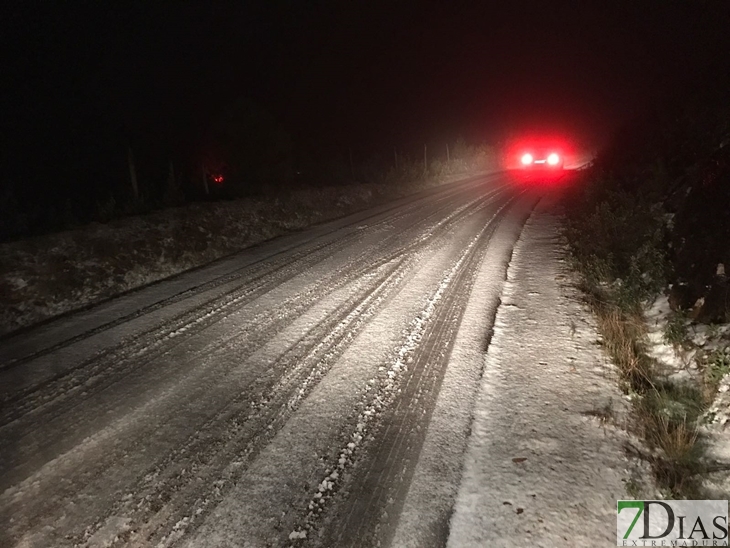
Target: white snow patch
109, 533
297, 535
674, 363
436, 477
706, 341
540, 468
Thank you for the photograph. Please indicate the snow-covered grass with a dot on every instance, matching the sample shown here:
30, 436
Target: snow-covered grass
691, 354
665, 409
672, 371
48, 275
694, 360
617, 243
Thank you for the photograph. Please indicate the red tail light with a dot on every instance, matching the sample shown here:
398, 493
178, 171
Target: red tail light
553, 159
526, 159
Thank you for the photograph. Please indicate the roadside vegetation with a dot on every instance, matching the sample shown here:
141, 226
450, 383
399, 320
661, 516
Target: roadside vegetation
651, 220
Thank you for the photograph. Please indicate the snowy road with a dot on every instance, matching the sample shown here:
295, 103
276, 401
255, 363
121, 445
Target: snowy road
312, 391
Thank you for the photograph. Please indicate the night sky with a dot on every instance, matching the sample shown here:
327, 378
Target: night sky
82, 79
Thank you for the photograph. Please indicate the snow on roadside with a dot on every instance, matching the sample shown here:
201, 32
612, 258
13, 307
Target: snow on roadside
703, 345
432, 491
677, 366
47, 275
545, 462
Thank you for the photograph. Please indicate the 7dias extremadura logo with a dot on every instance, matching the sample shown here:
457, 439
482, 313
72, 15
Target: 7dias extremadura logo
671, 523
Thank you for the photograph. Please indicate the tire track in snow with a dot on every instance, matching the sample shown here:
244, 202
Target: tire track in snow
255, 423
428, 234
162, 339
394, 417
265, 418
262, 267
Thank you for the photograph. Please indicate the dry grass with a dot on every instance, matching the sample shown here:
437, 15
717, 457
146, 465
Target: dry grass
666, 415
678, 440
618, 234
623, 332
677, 466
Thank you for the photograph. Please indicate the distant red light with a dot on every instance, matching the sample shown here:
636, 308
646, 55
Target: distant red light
527, 158
539, 145
553, 159
218, 179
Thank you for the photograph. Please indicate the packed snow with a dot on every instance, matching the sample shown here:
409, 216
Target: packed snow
545, 461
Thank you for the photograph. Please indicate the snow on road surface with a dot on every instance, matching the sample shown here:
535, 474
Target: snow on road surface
316, 390
544, 466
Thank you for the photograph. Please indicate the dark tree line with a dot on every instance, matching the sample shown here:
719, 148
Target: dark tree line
91, 171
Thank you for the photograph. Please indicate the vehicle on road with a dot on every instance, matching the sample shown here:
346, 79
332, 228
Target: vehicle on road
541, 158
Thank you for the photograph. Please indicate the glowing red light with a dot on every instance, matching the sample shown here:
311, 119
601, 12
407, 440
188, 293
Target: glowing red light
527, 158
540, 145
218, 178
553, 159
